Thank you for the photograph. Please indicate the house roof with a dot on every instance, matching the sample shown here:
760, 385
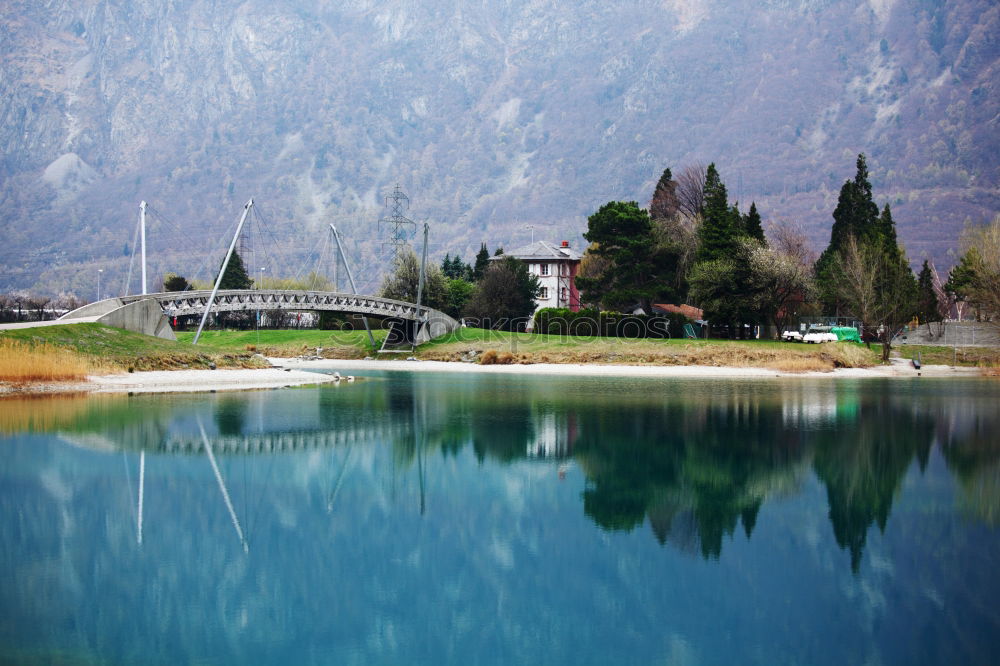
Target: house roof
688, 311
541, 250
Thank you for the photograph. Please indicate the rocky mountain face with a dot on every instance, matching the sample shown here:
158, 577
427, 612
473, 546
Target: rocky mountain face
491, 116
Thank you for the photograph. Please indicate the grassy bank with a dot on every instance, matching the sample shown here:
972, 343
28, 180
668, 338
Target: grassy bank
485, 346
499, 347
971, 357
62, 353
290, 343
65, 353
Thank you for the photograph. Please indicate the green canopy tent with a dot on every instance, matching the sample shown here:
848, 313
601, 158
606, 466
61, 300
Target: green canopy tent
848, 333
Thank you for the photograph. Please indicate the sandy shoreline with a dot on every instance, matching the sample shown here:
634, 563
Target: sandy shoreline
899, 368
170, 381
296, 372
178, 381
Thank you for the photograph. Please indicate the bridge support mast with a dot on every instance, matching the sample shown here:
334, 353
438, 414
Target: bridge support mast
142, 236
423, 271
350, 278
222, 272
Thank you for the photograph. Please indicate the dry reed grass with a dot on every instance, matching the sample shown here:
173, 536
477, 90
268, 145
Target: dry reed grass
22, 363
790, 358
800, 364
40, 413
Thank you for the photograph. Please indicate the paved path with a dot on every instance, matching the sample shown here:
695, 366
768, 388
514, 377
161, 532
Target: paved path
50, 322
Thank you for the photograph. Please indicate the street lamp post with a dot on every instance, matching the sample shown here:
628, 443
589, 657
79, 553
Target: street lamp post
532, 228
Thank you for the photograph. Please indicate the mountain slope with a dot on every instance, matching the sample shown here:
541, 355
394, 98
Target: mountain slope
528, 112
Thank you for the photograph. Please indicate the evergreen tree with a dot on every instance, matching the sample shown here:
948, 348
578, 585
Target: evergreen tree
636, 268
498, 252
962, 278
927, 299
719, 231
482, 261
453, 268
174, 282
856, 213
505, 296
752, 224
885, 233
664, 202
236, 276
856, 216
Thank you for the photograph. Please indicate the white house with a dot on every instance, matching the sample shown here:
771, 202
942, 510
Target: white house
556, 267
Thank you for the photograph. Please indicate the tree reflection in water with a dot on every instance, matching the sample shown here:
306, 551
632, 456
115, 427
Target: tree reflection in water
695, 460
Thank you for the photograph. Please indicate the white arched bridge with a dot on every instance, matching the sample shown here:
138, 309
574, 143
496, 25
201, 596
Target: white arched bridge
148, 313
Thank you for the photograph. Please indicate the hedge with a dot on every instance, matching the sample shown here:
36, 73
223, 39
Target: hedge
563, 321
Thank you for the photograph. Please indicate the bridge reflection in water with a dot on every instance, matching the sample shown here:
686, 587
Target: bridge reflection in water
429, 508
693, 461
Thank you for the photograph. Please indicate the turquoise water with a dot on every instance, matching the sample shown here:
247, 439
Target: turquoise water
436, 518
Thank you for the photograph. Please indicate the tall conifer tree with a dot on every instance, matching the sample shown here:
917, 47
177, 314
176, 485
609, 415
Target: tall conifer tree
482, 261
664, 202
752, 223
927, 299
885, 233
236, 276
718, 233
856, 216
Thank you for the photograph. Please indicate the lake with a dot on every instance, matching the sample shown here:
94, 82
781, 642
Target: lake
433, 518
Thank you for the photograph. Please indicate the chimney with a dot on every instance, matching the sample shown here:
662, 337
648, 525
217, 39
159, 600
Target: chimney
565, 243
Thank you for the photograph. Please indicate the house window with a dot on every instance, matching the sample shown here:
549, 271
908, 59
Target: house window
562, 295
544, 293
543, 269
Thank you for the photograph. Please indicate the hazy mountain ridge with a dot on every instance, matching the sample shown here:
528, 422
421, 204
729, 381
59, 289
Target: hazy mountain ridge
489, 117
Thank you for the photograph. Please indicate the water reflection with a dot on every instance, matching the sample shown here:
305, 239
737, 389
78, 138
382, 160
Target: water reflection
696, 462
426, 519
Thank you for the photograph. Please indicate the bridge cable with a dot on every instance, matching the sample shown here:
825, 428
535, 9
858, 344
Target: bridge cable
131, 260
191, 249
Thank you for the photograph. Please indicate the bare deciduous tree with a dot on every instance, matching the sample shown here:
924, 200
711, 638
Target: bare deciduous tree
876, 290
690, 191
781, 280
403, 283
788, 238
982, 260
680, 233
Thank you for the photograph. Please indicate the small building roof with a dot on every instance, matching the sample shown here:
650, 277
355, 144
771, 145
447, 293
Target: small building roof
688, 311
542, 250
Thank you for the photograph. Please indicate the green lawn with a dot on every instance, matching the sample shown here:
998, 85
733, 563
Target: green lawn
120, 349
976, 357
289, 342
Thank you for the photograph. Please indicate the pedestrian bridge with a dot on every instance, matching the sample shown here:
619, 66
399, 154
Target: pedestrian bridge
148, 313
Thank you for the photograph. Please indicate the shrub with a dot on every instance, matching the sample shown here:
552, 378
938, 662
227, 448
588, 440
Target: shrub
562, 321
